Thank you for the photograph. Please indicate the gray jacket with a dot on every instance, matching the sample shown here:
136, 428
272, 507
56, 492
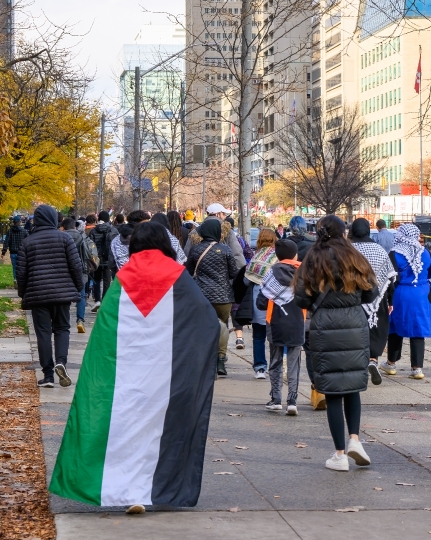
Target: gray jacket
228, 237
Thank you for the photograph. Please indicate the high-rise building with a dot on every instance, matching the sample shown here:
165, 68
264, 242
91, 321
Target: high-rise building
389, 36
6, 29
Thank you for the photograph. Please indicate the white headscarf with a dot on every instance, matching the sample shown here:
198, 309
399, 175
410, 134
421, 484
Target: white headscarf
406, 243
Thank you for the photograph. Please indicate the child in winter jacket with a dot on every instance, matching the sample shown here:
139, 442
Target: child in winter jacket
285, 325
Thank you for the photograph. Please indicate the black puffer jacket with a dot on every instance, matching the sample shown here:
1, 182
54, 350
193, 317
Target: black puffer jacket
303, 243
339, 338
49, 270
214, 272
102, 235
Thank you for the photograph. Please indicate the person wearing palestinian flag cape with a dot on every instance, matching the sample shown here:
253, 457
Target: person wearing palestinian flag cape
138, 423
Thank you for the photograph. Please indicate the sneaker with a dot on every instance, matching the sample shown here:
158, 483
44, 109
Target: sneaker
136, 509
95, 308
272, 406
260, 374
356, 451
292, 410
239, 343
46, 383
373, 369
337, 463
416, 374
389, 369
80, 326
61, 371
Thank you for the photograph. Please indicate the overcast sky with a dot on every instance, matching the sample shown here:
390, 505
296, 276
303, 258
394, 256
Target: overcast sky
110, 24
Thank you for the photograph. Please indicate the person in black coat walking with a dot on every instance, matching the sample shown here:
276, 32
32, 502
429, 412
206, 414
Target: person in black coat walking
333, 282
13, 241
49, 274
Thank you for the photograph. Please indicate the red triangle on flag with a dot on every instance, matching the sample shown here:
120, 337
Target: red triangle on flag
418, 77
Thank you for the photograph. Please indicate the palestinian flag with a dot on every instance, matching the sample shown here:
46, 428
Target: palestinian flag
138, 423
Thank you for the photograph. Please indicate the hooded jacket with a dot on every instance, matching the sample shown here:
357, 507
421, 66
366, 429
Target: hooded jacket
228, 237
102, 235
304, 243
339, 337
285, 324
49, 270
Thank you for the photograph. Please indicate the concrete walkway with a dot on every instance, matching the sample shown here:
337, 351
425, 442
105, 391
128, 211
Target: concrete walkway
276, 489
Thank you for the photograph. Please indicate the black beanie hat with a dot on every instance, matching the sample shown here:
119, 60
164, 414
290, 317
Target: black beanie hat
285, 249
104, 216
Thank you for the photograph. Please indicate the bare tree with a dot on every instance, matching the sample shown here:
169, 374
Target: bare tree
323, 165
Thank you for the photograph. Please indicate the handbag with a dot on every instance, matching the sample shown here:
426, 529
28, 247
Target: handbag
319, 300
201, 257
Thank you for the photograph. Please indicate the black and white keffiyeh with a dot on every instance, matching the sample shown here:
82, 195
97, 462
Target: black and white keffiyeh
406, 243
272, 289
384, 271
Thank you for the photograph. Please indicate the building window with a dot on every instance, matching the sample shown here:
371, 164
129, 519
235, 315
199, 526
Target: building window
386, 126
399, 151
362, 61
399, 95
378, 127
399, 121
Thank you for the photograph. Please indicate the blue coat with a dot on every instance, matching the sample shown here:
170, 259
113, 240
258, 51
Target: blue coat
412, 310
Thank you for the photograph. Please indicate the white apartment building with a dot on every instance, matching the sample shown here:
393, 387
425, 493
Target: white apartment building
389, 55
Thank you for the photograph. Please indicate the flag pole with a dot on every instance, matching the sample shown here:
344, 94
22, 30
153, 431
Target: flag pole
420, 135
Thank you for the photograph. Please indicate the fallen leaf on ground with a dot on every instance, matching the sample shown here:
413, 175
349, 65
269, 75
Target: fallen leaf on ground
276, 496
234, 510
236, 463
223, 473
301, 445
221, 440
5, 454
403, 484
347, 510
378, 489
215, 460
306, 457
234, 414
389, 431
241, 447
371, 440
391, 444
226, 400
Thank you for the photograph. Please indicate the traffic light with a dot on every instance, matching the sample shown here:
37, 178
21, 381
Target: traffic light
155, 182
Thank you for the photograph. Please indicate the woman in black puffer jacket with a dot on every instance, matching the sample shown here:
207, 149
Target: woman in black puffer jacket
338, 277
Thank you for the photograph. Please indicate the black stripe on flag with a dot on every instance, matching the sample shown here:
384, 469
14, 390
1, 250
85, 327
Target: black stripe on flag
178, 476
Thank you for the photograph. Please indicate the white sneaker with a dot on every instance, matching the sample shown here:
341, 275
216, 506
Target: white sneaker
389, 369
356, 451
337, 463
95, 307
260, 374
292, 410
272, 406
416, 374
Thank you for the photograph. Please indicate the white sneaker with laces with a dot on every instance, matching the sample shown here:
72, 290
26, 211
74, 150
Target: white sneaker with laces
416, 374
389, 369
356, 451
292, 410
95, 307
337, 463
272, 406
260, 374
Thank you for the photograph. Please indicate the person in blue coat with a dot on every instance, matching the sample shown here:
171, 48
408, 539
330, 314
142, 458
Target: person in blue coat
411, 316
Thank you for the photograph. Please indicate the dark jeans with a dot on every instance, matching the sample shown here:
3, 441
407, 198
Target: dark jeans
52, 319
352, 411
80, 307
259, 338
101, 274
417, 349
13, 259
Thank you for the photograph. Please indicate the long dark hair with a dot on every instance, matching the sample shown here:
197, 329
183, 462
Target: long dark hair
332, 257
175, 225
151, 235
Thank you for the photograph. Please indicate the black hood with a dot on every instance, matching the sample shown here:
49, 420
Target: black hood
45, 216
103, 227
284, 273
360, 231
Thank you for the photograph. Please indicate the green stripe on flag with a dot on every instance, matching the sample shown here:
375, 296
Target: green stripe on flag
78, 472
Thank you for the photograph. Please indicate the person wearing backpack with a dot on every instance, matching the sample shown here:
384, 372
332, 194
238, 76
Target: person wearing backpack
68, 225
102, 235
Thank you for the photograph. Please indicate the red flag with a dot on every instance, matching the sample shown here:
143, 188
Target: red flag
418, 77
232, 134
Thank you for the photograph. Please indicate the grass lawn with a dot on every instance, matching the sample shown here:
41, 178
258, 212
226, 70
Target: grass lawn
9, 304
6, 276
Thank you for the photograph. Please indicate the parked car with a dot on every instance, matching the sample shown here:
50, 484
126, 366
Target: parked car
254, 233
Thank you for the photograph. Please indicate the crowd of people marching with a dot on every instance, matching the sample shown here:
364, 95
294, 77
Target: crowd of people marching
341, 296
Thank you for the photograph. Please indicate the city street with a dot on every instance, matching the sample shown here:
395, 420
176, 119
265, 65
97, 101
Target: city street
259, 482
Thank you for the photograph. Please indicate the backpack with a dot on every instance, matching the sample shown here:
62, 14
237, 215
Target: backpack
89, 256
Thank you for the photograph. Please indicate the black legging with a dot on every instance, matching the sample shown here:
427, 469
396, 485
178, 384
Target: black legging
417, 350
352, 411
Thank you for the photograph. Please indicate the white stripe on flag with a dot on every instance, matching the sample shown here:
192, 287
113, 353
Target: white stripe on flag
141, 398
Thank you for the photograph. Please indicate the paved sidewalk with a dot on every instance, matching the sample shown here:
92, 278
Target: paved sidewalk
14, 349
276, 489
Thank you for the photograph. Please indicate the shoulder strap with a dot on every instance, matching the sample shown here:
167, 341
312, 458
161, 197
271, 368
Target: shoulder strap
319, 300
202, 256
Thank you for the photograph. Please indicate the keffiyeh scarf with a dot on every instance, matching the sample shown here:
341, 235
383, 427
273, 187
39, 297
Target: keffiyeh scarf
384, 271
272, 289
406, 243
